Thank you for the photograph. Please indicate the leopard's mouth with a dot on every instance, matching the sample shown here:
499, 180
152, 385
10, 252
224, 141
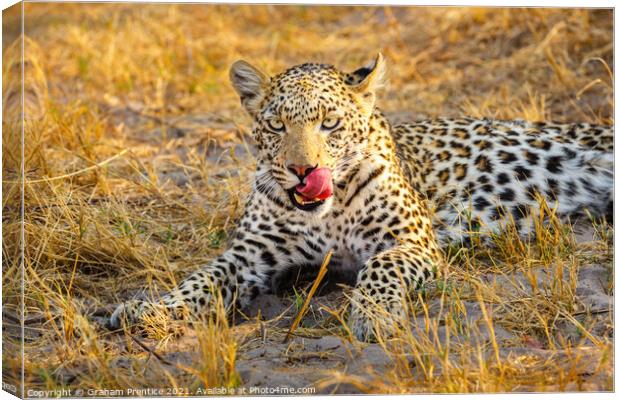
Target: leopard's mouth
302, 203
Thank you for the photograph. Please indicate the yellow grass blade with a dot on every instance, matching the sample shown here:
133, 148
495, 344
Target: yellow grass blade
55, 178
313, 289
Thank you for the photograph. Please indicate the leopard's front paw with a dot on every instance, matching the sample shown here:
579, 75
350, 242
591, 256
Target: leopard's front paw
371, 318
361, 325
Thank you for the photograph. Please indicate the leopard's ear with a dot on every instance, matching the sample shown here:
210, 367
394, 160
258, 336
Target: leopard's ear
249, 83
366, 80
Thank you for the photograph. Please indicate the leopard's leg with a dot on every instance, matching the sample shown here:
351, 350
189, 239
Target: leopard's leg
238, 274
383, 286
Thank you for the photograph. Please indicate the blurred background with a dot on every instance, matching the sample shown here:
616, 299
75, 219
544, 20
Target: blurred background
534, 63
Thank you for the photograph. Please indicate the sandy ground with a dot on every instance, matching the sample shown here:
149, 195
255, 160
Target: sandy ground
312, 357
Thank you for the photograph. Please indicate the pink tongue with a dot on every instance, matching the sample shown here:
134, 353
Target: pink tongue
318, 185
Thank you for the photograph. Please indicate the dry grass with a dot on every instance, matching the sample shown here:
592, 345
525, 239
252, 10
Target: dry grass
137, 166
531, 295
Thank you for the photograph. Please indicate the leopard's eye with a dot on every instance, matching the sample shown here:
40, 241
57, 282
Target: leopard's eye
275, 125
330, 123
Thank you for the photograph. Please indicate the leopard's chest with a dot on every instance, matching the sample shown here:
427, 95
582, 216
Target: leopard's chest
347, 237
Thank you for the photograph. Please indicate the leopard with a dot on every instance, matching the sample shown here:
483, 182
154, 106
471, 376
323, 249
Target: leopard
334, 176
484, 176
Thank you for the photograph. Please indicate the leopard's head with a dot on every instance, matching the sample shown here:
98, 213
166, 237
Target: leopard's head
311, 124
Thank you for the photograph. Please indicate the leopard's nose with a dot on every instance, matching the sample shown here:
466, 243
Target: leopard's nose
301, 170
